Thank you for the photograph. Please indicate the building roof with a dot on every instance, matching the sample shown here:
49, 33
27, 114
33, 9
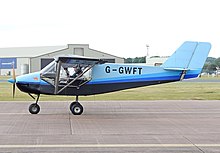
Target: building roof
28, 51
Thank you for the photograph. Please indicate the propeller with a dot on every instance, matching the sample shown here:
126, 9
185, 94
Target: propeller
14, 80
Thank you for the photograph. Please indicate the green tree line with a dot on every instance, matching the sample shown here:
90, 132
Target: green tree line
136, 60
211, 64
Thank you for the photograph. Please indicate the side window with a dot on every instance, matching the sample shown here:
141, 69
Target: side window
48, 73
78, 72
64, 74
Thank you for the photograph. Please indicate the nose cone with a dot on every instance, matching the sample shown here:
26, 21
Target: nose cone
32, 78
29, 83
11, 80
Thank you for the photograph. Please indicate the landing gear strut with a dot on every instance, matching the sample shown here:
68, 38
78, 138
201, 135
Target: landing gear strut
76, 108
35, 108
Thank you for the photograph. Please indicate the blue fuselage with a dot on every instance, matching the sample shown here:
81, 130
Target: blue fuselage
106, 78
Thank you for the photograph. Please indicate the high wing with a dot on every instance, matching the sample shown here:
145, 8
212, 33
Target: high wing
73, 59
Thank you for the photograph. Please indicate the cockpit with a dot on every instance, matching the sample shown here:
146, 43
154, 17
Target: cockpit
65, 70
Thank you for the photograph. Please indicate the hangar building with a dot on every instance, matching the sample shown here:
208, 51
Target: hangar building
32, 59
156, 60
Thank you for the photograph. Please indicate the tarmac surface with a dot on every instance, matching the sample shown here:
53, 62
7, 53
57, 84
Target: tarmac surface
126, 126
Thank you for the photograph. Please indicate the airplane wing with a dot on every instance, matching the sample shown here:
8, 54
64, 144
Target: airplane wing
79, 60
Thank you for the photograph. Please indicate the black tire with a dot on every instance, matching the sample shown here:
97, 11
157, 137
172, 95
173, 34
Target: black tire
76, 109
34, 108
71, 105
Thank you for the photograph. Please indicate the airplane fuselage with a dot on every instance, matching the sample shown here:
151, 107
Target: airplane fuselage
105, 78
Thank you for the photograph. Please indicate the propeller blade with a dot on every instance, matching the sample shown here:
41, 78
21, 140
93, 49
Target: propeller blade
14, 78
13, 72
13, 90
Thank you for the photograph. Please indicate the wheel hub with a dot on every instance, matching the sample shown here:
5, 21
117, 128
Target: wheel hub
34, 108
77, 109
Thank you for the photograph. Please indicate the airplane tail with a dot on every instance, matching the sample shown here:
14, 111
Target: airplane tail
189, 58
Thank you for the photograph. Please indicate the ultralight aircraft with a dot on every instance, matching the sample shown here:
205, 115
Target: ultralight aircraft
81, 76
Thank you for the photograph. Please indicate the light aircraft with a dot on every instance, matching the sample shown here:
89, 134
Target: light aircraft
81, 76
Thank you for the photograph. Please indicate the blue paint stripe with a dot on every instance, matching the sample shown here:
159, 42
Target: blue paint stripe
131, 79
34, 83
191, 76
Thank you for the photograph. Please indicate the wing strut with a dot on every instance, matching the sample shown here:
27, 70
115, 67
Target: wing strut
80, 75
57, 77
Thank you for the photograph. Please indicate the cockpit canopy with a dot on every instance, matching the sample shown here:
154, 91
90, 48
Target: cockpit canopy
69, 67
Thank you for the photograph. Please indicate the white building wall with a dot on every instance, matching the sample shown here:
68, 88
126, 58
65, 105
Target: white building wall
72, 49
155, 61
20, 62
35, 62
32, 55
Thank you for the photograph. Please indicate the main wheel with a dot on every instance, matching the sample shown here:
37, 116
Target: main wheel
73, 103
34, 108
76, 108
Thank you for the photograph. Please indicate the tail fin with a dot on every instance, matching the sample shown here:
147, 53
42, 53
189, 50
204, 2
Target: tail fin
189, 56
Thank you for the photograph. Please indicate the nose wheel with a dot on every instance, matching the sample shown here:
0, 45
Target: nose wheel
76, 108
34, 108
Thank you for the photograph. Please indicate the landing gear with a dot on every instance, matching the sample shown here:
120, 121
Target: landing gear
76, 108
34, 108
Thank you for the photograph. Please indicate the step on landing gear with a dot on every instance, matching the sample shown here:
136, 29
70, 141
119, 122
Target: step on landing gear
76, 108
35, 108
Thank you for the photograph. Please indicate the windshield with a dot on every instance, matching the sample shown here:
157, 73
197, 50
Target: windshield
50, 68
48, 73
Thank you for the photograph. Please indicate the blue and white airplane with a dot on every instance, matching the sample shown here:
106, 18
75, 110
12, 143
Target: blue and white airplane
81, 76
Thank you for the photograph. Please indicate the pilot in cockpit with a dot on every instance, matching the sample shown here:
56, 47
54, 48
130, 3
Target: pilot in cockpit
67, 72
77, 71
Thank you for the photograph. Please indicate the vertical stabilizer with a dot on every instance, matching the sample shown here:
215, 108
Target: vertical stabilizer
189, 56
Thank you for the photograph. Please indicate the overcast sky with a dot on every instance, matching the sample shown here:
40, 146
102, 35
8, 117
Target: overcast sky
119, 27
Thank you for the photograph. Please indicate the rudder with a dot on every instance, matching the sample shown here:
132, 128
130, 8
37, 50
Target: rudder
200, 55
